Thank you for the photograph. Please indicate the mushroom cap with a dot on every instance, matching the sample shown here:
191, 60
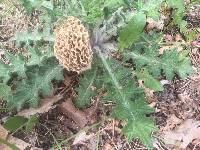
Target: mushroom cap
72, 45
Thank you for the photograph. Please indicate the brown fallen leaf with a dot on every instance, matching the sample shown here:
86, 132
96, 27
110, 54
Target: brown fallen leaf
183, 134
170, 47
3, 132
45, 106
172, 122
82, 137
168, 38
82, 118
91, 111
108, 146
78, 116
149, 93
152, 24
178, 38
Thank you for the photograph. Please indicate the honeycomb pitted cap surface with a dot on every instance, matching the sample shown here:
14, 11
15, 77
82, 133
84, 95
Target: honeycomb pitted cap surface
72, 45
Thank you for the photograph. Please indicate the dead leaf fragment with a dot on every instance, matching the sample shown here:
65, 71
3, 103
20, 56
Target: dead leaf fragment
81, 117
18, 142
82, 137
172, 122
152, 24
3, 132
168, 38
183, 134
178, 38
107, 146
45, 107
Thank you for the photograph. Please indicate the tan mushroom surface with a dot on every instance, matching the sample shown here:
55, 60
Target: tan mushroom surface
72, 45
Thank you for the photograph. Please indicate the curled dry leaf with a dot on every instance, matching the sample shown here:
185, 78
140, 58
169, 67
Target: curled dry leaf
45, 106
152, 24
108, 146
183, 134
82, 118
72, 112
82, 137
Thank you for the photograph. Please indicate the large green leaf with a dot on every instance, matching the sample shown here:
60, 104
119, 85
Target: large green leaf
84, 90
17, 64
152, 8
132, 31
30, 5
142, 128
170, 62
178, 13
32, 121
130, 101
4, 72
149, 81
38, 82
14, 123
37, 56
5, 90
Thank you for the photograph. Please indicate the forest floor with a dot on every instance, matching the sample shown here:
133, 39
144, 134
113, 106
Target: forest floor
177, 112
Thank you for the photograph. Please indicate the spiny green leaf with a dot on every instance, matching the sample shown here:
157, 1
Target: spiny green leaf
4, 72
37, 56
35, 36
14, 123
177, 63
178, 13
151, 8
84, 90
5, 90
147, 56
38, 82
142, 128
17, 64
30, 5
149, 81
132, 31
130, 101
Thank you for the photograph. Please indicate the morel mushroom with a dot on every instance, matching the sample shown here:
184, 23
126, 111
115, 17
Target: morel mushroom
72, 45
